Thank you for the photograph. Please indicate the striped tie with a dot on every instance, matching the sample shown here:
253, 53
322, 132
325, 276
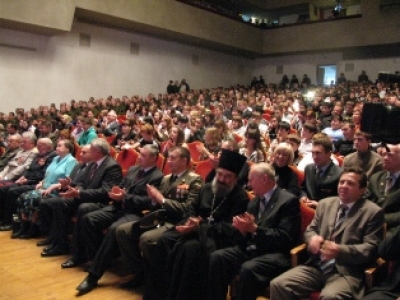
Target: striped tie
328, 266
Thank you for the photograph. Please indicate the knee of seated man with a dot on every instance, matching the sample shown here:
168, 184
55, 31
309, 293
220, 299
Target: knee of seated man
276, 283
85, 208
122, 231
216, 256
246, 270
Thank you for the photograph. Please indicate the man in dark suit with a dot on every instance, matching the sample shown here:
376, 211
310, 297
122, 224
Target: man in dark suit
48, 221
269, 229
320, 178
384, 186
343, 240
127, 206
175, 194
180, 261
90, 193
390, 288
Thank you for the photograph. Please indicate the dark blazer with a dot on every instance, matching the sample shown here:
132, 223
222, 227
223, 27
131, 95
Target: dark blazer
358, 237
96, 189
287, 179
112, 128
37, 168
77, 174
278, 229
390, 203
322, 188
389, 250
136, 199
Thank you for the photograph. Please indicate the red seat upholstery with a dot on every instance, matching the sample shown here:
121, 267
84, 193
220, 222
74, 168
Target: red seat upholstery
126, 159
203, 168
194, 153
299, 173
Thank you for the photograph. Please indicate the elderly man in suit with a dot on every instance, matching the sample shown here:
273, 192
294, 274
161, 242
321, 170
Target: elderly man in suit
13, 142
110, 126
343, 240
180, 261
128, 202
384, 186
321, 177
22, 159
88, 194
175, 194
269, 229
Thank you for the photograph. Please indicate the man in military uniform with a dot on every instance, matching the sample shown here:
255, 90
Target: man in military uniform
177, 191
179, 264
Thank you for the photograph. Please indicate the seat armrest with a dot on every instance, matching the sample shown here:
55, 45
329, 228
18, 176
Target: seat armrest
376, 273
298, 254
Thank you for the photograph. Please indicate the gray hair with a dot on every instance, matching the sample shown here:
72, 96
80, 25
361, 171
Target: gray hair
47, 142
153, 149
16, 136
30, 136
101, 145
264, 169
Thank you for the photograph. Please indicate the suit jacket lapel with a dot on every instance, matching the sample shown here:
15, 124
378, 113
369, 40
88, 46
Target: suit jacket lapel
143, 178
328, 173
333, 210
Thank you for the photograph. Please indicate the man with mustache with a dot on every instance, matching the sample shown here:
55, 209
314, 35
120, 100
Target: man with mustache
179, 268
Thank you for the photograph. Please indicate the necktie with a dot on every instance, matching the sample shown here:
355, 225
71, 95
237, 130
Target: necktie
140, 174
173, 178
263, 204
328, 266
94, 169
389, 183
319, 173
340, 218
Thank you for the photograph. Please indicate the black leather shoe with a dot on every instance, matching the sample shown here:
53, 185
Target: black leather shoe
71, 263
49, 247
57, 250
87, 285
45, 242
6, 228
33, 232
